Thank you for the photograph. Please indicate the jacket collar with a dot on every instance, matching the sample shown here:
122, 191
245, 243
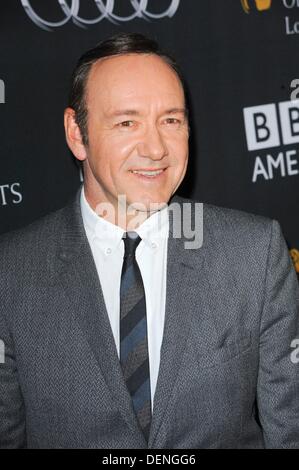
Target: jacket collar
76, 269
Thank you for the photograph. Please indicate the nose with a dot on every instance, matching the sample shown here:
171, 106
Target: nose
152, 144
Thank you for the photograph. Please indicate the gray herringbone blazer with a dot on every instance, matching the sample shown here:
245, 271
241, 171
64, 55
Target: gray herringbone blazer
226, 378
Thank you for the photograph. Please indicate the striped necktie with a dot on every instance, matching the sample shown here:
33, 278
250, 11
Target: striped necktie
133, 334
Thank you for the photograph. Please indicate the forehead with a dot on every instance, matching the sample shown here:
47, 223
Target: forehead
133, 76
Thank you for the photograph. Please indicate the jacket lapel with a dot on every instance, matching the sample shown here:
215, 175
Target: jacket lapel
182, 282
78, 274
79, 277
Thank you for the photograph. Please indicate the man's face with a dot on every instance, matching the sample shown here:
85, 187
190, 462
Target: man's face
136, 124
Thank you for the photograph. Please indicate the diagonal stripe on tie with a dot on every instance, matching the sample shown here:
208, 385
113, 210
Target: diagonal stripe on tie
135, 359
144, 417
130, 299
131, 341
133, 335
132, 318
128, 279
138, 378
144, 414
139, 394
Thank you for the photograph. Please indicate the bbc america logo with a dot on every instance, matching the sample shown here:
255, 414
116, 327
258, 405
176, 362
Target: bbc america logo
269, 126
106, 9
262, 125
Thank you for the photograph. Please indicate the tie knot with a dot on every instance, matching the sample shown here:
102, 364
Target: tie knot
131, 241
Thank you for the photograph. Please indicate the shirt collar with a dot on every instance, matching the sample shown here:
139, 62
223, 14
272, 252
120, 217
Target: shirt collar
152, 231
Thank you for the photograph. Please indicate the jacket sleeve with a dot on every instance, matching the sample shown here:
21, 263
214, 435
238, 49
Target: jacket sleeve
278, 378
12, 410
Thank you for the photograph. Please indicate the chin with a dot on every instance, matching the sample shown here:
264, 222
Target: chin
149, 203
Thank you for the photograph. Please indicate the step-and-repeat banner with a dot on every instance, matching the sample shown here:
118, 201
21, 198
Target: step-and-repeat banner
240, 60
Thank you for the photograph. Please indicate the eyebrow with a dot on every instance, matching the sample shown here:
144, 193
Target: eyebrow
124, 112
134, 112
177, 110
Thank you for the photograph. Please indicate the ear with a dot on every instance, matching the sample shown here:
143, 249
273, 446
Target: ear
73, 135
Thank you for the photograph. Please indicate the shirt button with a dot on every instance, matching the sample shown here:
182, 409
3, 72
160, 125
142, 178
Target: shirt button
154, 245
108, 251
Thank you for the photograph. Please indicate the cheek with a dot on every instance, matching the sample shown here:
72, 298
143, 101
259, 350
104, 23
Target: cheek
178, 150
114, 151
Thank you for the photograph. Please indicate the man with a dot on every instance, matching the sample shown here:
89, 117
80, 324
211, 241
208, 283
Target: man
119, 335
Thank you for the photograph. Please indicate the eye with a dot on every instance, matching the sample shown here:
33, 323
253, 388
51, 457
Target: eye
126, 124
172, 121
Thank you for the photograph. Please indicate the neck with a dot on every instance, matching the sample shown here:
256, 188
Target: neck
118, 213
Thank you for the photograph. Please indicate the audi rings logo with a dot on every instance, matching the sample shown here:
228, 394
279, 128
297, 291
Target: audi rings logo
70, 10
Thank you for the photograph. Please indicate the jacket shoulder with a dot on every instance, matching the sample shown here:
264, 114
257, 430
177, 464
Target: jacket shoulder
36, 230
27, 246
224, 219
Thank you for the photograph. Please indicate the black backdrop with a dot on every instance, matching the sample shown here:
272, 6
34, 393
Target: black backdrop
234, 54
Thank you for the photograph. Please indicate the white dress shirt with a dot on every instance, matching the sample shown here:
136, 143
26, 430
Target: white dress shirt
105, 239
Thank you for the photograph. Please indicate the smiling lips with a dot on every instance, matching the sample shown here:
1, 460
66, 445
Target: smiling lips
148, 173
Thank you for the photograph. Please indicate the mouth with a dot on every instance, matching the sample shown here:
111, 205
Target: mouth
148, 174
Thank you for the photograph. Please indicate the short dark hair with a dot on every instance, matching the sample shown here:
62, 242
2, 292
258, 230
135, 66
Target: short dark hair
120, 44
